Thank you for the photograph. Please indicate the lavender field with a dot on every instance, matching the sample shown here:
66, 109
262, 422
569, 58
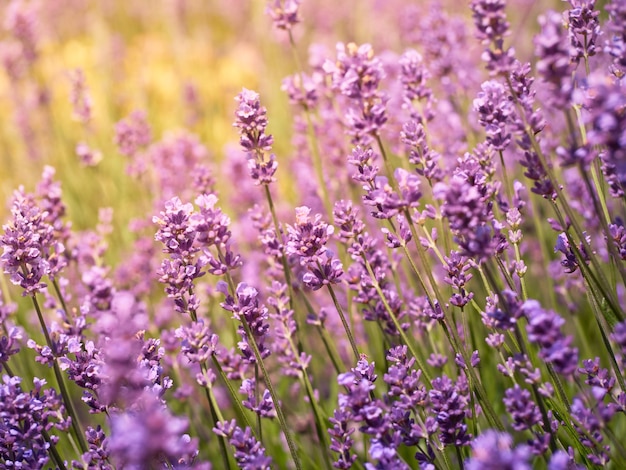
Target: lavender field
311, 234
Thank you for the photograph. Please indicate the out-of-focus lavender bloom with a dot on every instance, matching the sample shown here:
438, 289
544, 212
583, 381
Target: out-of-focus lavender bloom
198, 342
301, 90
520, 406
589, 422
493, 450
494, 108
86, 155
544, 328
24, 417
619, 336
246, 307
616, 45
133, 134
417, 97
583, 27
9, 344
80, 97
503, 311
284, 13
449, 406
606, 103
21, 20
249, 452
264, 407
149, 435
492, 27
554, 51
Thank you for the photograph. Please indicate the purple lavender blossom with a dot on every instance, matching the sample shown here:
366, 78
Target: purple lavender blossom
449, 406
249, 452
492, 27
616, 45
149, 435
469, 216
494, 108
264, 407
284, 13
133, 134
494, 451
520, 406
246, 307
554, 51
24, 417
25, 241
251, 120
583, 27
544, 328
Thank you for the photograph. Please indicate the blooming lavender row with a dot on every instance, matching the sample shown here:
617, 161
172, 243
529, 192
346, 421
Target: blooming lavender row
434, 279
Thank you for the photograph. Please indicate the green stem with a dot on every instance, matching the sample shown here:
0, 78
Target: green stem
344, 322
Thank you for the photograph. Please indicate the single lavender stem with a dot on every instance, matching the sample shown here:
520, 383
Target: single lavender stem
257, 398
279, 411
317, 159
59, 377
395, 321
233, 395
344, 322
216, 414
61, 299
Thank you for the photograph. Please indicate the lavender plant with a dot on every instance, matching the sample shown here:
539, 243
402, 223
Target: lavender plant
430, 274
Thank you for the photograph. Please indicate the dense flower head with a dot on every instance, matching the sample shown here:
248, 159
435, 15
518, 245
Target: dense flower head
26, 240
449, 405
615, 44
249, 452
490, 19
583, 27
308, 237
553, 49
133, 134
494, 108
284, 13
544, 328
493, 450
251, 120
149, 435
469, 216
246, 307
607, 119
24, 417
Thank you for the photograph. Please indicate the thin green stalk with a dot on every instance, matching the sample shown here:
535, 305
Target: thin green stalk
216, 415
344, 322
395, 321
233, 395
